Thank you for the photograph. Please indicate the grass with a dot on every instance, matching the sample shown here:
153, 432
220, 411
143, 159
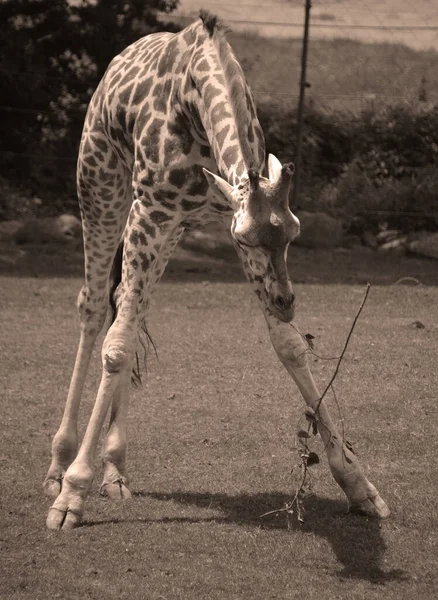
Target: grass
211, 435
378, 72
377, 67
345, 13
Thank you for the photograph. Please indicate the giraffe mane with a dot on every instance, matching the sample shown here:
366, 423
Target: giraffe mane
235, 82
211, 22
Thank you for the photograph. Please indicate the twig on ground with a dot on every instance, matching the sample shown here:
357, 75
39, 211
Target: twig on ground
288, 507
410, 279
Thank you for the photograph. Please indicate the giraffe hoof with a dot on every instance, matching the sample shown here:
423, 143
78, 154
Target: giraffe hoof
52, 487
115, 491
373, 506
64, 520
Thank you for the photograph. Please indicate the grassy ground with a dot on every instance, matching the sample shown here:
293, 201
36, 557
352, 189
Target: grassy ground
211, 445
347, 68
344, 74
327, 19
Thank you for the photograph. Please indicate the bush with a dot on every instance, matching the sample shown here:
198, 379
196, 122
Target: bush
379, 165
326, 139
396, 141
408, 204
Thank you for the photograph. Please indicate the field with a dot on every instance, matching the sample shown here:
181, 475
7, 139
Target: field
343, 73
211, 447
370, 21
348, 68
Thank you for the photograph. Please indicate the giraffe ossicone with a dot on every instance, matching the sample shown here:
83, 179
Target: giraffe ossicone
171, 140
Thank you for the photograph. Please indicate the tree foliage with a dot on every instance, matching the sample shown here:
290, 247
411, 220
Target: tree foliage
53, 53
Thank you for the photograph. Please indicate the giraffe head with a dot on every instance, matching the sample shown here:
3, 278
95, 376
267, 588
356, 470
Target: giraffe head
262, 229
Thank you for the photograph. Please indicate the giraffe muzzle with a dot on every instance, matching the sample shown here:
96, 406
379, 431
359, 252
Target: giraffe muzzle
283, 306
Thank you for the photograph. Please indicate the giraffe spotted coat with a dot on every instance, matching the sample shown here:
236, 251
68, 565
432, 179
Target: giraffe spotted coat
172, 140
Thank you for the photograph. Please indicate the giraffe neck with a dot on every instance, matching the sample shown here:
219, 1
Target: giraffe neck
219, 104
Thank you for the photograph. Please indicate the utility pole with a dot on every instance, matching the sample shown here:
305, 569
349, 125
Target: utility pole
303, 85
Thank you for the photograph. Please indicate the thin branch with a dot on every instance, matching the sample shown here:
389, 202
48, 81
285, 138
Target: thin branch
295, 501
410, 279
310, 349
288, 507
345, 347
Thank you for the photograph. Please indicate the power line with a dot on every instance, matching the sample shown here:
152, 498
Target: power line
93, 79
34, 155
313, 163
255, 91
328, 25
39, 111
398, 212
370, 96
44, 75
20, 110
284, 6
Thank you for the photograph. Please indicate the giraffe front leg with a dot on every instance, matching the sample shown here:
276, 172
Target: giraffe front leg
291, 350
101, 240
65, 441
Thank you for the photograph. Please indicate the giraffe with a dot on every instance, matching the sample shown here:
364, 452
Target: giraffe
171, 140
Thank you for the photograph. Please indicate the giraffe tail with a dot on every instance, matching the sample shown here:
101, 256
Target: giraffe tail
116, 278
144, 337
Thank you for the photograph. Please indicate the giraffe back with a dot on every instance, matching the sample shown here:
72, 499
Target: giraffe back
169, 105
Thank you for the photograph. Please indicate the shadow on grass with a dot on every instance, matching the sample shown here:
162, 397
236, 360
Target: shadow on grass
356, 541
305, 265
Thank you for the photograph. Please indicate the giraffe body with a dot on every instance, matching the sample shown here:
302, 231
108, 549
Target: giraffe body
171, 140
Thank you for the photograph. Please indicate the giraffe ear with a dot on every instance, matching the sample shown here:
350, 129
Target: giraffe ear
221, 187
274, 168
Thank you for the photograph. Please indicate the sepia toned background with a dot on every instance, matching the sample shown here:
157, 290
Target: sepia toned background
212, 430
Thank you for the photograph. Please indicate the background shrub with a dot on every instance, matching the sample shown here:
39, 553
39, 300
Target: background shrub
370, 166
379, 167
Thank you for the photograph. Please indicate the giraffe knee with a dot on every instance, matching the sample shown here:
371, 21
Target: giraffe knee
115, 359
82, 300
92, 310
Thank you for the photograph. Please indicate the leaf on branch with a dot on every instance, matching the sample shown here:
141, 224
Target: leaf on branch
303, 434
310, 415
312, 459
309, 337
